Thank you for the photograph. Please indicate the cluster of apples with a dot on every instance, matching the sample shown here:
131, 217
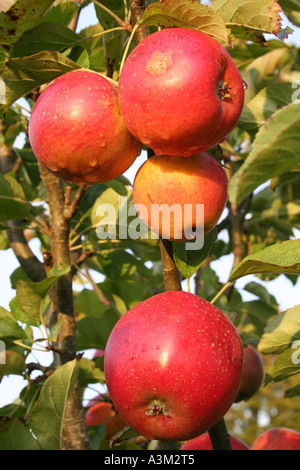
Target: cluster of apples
173, 363
179, 94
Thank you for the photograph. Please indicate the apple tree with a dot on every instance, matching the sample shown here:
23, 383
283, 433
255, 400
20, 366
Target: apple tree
93, 266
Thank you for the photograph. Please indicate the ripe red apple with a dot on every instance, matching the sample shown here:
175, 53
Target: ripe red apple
277, 439
253, 374
180, 92
173, 365
77, 132
203, 442
164, 181
103, 412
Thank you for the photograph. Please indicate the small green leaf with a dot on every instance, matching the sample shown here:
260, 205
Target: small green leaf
284, 366
23, 74
21, 16
281, 332
283, 257
13, 204
248, 19
275, 150
46, 419
186, 14
9, 327
14, 435
189, 261
45, 37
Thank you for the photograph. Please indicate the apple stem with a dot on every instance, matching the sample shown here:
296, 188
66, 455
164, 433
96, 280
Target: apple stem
219, 436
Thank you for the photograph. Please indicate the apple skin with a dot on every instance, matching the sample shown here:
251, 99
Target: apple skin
253, 374
199, 179
203, 442
77, 132
180, 92
277, 439
102, 412
173, 365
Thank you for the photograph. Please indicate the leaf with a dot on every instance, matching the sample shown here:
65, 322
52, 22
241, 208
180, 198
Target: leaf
23, 74
283, 257
281, 332
258, 110
21, 16
186, 14
46, 419
14, 435
93, 332
31, 295
189, 261
248, 19
13, 204
45, 37
291, 9
9, 327
275, 150
283, 367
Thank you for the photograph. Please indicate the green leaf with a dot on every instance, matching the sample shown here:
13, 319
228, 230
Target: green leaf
23, 74
258, 110
21, 16
14, 363
186, 14
281, 332
248, 19
189, 261
31, 295
46, 419
275, 150
89, 373
45, 37
14, 435
9, 327
62, 11
292, 10
283, 367
283, 257
13, 204
93, 332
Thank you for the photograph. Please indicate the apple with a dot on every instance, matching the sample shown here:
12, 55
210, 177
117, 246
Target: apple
77, 132
253, 374
173, 365
163, 182
203, 442
277, 439
180, 92
103, 412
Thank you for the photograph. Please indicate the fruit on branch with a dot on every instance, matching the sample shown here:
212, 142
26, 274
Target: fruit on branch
203, 442
277, 439
253, 374
168, 191
180, 92
77, 132
102, 412
173, 365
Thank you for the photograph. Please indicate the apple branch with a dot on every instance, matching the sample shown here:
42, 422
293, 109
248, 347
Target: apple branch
75, 435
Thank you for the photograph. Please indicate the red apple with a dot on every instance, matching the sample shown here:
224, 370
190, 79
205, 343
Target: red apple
253, 374
77, 132
180, 92
103, 412
164, 181
173, 365
277, 439
203, 442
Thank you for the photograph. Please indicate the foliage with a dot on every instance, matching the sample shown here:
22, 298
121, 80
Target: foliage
40, 41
